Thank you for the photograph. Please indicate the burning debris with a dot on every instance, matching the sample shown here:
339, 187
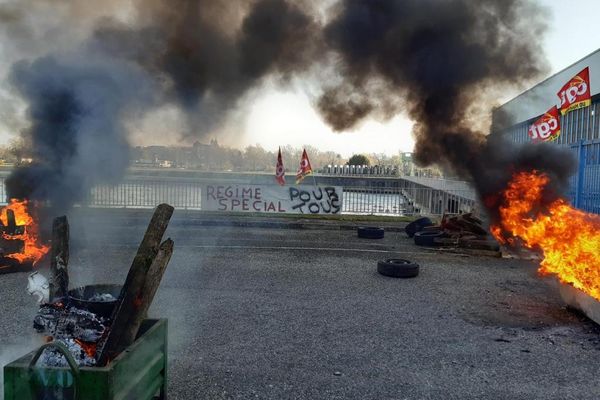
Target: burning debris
20, 245
569, 239
95, 323
79, 330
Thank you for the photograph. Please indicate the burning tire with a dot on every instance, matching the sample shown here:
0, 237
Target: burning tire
398, 268
427, 238
370, 232
417, 225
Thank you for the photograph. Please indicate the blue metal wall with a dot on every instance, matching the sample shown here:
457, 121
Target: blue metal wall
580, 130
585, 185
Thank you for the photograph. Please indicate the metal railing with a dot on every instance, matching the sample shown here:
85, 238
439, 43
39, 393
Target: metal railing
407, 201
141, 192
148, 193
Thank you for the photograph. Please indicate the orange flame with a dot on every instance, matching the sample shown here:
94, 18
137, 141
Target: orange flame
88, 347
568, 238
33, 250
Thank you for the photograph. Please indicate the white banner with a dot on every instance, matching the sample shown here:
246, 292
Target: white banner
272, 199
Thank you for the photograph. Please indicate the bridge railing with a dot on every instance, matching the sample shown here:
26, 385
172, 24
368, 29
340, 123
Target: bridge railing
407, 201
136, 192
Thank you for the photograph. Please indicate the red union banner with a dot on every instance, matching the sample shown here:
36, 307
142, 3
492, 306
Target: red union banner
280, 170
576, 93
547, 128
305, 168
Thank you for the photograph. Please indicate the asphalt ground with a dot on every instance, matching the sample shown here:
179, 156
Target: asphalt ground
264, 313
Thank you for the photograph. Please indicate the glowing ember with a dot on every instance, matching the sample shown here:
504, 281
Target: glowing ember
568, 238
89, 348
33, 249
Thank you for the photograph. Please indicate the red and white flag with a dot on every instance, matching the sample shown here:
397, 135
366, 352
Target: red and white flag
280, 170
576, 93
547, 127
305, 168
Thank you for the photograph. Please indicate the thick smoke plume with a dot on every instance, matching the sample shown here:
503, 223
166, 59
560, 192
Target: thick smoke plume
76, 138
437, 60
209, 54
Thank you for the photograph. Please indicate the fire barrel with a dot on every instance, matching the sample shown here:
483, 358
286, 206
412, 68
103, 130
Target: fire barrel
138, 372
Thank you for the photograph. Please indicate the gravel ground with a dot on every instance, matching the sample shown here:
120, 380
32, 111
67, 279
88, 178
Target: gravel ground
302, 314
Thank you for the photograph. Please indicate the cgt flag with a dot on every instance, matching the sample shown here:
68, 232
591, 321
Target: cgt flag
280, 170
305, 168
576, 93
547, 127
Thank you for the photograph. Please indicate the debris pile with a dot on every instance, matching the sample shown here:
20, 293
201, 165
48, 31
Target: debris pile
464, 232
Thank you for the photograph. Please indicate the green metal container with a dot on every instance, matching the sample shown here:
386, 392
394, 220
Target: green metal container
139, 372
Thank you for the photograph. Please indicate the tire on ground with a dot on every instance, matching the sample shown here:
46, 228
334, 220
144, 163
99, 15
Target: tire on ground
427, 238
478, 244
370, 232
417, 225
398, 268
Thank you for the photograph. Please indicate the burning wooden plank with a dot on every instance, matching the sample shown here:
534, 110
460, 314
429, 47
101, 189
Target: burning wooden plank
20, 247
9, 246
9, 265
140, 286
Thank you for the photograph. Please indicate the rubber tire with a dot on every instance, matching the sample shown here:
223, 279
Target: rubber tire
478, 244
370, 232
426, 238
398, 268
417, 225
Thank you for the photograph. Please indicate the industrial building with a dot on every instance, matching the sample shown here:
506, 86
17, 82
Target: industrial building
580, 129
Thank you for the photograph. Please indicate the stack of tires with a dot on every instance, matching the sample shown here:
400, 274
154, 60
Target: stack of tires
417, 226
423, 232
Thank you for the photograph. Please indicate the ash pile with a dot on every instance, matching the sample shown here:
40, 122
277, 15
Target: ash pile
79, 330
95, 323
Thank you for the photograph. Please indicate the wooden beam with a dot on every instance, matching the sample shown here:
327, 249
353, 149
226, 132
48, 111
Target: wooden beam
146, 295
9, 265
59, 260
132, 292
11, 222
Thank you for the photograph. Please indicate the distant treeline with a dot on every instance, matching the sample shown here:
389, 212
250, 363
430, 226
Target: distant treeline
215, 157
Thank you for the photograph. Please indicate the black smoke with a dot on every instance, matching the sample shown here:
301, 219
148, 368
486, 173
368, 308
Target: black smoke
76, 136
436, 59
207, 56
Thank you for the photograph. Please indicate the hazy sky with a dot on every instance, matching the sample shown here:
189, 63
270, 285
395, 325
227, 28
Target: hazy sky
280, 117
